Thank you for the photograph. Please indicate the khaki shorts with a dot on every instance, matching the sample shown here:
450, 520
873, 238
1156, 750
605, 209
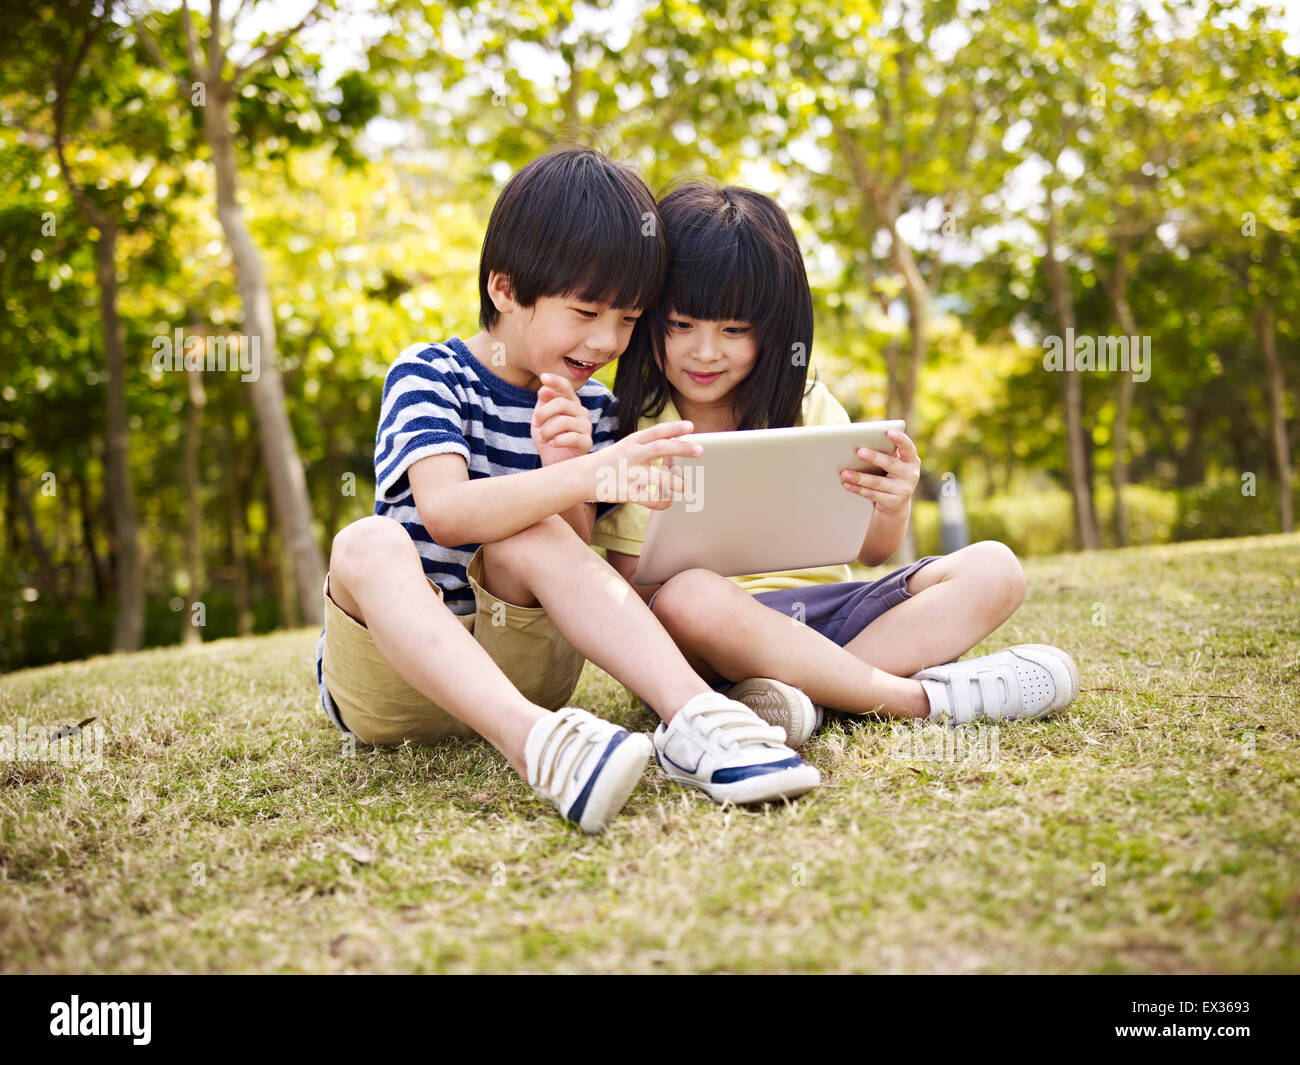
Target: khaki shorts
381, 708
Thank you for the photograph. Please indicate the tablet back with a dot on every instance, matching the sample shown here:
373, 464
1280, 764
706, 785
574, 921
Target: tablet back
764, 500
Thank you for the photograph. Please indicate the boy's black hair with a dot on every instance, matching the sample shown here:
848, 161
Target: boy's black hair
573, 222
732, 257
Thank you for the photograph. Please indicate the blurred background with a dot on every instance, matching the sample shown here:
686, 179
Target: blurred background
969, 181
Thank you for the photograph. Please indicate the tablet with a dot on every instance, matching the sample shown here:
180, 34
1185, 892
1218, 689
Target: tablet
763, 500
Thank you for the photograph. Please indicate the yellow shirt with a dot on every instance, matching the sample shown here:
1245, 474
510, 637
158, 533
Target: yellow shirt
623, 528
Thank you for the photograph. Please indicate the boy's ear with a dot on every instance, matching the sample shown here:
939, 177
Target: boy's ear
501, 292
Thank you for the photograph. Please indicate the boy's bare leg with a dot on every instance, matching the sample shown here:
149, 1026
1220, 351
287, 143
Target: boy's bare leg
548, 564
715, 619
376, 576
956, 601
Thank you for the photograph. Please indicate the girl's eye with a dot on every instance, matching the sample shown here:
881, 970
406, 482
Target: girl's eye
586, 314
737, 330
678, 325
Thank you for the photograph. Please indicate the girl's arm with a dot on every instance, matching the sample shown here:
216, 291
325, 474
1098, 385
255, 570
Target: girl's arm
883, 536
891, 493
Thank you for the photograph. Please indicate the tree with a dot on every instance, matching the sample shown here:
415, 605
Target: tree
213, 85
76, 36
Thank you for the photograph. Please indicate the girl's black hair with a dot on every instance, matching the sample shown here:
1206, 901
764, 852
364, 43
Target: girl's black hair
572, 221
732, 257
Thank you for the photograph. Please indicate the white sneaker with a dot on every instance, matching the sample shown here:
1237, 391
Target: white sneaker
584, 766
723, 747
1028, 681
779, 704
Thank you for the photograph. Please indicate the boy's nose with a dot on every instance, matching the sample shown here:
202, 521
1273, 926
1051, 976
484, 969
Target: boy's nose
603, 343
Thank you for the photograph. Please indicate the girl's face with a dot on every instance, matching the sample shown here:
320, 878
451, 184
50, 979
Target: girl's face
705, 360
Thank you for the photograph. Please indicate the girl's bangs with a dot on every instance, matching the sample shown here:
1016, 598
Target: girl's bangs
718, 275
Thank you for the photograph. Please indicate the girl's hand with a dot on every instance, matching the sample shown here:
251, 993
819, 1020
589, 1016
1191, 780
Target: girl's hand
892, 493
561, 427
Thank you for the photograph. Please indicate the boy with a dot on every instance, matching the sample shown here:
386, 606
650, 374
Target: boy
469, 601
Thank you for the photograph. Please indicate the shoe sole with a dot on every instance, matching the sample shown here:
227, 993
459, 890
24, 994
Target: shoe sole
618, 777
766, 787
779, 704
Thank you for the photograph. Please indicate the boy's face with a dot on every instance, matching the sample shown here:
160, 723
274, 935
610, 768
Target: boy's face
561, 335
705, 360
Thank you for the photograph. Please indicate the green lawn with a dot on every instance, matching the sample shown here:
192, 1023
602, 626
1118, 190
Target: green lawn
226, 831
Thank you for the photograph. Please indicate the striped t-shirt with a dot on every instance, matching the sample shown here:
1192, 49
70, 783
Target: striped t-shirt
439, 399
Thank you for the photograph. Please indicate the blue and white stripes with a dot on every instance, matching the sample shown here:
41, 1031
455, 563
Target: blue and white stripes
439, 399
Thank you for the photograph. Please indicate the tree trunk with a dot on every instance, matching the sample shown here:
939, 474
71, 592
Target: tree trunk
288, 484
1117, 289
191, 634
334, 480
1086, 535
1264, 327
917, 296
1119, 472
128, 631
235, 517
49, 577
10, 466
97, 574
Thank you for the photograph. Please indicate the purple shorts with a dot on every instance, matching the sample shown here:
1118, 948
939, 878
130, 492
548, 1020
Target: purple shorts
841, 610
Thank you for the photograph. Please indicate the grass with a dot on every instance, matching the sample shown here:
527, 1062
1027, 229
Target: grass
226, 831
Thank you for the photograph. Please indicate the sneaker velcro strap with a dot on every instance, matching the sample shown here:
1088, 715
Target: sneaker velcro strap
560, 753
996, 696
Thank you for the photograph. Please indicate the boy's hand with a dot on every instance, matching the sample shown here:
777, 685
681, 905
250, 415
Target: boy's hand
626, 473
891, 493
561, 427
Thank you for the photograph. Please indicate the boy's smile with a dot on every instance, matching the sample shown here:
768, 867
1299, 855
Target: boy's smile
581, 370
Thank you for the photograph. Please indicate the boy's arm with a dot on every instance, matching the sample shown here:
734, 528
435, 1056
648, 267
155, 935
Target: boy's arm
457, 510
562, 431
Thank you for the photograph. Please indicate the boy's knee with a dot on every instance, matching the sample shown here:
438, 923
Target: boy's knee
366, 542
528, 543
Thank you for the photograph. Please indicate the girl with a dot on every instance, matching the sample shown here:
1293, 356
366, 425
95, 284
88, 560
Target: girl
731, 340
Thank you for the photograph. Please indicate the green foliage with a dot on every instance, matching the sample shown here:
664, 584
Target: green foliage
1221, 508
1040, 523
1175, 158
